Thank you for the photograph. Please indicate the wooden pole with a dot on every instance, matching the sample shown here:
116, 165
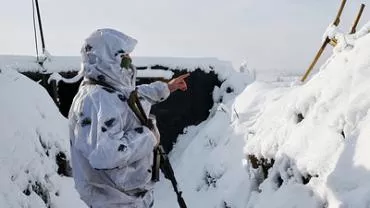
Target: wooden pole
318, 54
40, 26
325, 43
353, 29
337, 18
34, 30
333, 42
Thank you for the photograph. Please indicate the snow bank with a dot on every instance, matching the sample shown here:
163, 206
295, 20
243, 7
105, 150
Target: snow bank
33, 133
279, 146
208, 165
207, 158
314, 136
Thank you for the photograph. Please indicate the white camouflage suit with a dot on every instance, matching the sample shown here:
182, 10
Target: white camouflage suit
112, 152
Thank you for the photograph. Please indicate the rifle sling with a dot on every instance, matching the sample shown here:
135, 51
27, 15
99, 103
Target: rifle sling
135, 105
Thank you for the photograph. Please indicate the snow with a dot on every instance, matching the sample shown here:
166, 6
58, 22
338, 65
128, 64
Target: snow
334, 102
29, 63
55, 64
147, 73
320, 161
33, 132
311, 139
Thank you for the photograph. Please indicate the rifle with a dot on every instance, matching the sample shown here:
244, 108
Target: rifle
160, 159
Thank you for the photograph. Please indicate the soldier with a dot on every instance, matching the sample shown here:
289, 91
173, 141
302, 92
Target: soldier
112, 152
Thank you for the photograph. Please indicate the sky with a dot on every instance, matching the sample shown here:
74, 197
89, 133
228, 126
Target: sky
268, 34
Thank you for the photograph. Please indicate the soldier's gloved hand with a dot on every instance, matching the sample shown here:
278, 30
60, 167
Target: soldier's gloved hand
155, 129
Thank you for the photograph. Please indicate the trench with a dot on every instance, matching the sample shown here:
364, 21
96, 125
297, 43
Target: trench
180, 110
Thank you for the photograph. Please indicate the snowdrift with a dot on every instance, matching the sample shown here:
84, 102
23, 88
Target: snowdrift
312, 139
34, 146
277, 145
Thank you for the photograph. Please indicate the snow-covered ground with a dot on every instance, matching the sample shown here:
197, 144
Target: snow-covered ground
316, 131
33, 133
309, 142
312, 140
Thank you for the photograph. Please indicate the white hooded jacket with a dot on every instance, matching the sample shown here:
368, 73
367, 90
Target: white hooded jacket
111, 151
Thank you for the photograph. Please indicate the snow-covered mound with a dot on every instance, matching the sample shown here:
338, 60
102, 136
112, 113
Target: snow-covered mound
300, 146
315, 136
207, 159
33, 136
